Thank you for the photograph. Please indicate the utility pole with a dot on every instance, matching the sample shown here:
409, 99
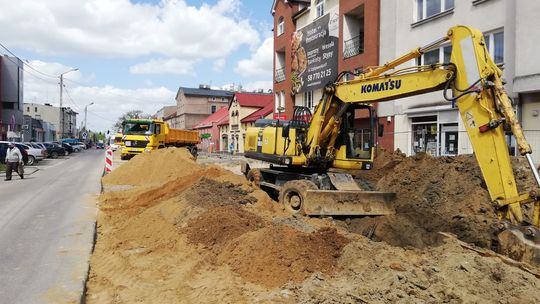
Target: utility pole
85, 114
61, 120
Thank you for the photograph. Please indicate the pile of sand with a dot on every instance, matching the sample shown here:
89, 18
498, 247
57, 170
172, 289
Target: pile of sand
205, 236
153, 168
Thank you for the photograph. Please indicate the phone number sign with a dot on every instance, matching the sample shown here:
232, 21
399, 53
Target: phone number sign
315, 54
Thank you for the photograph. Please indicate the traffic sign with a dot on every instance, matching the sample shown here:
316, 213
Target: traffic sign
84, 135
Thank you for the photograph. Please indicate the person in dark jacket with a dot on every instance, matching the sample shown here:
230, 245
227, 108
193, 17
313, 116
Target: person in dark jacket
14, 159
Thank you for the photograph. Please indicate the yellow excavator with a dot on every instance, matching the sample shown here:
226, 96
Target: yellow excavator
305, 151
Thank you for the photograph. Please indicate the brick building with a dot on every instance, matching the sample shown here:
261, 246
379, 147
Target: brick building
315, 41
193, 105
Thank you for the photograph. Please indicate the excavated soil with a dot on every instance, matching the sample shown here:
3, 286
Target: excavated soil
201, 234
434, 194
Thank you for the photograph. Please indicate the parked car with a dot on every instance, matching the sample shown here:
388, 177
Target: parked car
54, 150
68, 147
4, 147
41, 146
76, 147
34, 155
100, 145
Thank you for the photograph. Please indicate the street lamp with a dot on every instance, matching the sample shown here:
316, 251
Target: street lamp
61, 92
85, 113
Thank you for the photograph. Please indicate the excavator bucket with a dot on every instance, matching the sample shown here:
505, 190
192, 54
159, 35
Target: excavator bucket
521, 243
343, 202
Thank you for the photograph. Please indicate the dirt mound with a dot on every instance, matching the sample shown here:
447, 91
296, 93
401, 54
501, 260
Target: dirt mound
433, 194
153, 168
275, 255
220, 225
207, 193
204, 236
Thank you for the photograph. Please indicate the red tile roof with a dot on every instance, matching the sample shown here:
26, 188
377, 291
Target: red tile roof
252, 100
216, 117
224, 121
261, 113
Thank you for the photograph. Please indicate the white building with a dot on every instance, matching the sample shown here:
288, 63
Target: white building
51, 114
428, 122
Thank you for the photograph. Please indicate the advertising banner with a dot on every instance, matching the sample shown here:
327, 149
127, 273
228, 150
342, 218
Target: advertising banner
315, 54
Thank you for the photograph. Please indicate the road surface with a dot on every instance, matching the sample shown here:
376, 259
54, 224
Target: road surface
47, 228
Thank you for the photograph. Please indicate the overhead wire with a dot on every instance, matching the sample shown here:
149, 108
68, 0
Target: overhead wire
25, 63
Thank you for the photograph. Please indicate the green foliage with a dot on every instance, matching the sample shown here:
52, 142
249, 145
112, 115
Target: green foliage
129, 115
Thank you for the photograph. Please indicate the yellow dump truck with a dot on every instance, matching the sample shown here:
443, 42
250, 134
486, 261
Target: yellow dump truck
145, 135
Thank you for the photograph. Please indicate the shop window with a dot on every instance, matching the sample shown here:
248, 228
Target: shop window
424, 135
429, 8
495, 45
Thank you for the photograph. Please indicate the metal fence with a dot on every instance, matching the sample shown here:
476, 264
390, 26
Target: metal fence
353, 46
280, 75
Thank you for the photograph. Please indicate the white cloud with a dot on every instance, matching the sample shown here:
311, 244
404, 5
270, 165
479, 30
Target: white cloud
260, 63
118, 28
256, 85
109, 102
164, 66
219, 64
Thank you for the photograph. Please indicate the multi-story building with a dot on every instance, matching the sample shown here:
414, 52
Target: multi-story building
165, 111
193, 105
11, 98
51, 114
244, 109
315, 41
209, 130
429, 123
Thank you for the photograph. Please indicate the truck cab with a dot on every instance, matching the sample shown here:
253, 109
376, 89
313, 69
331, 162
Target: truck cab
142, 135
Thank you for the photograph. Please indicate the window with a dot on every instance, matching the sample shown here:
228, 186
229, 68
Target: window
28, 109
428, 8
281, 26
441, 55
308, 99
35, 109
213, 109
319, 8
495, 46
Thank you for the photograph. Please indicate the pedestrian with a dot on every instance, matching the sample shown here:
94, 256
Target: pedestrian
14, 161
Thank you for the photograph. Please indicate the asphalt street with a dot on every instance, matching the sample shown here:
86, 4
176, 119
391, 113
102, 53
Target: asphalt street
46, 229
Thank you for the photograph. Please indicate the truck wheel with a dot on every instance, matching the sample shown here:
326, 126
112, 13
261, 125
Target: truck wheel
193, 151
254, 177
31, 160
293, 195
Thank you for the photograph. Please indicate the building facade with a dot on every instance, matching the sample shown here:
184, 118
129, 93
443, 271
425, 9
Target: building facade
11, 98
193, 105
166, 111
317, 40
428, 123
209, 130
244, 109
51, 114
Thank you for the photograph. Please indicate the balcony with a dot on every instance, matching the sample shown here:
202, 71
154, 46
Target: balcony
280, 75
353, 46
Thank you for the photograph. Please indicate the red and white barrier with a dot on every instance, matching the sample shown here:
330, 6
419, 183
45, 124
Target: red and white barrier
108, 160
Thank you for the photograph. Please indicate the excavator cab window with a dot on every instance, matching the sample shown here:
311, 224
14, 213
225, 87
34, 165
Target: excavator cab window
357, 132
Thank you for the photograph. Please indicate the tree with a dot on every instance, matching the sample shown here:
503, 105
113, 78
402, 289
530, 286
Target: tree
129, 115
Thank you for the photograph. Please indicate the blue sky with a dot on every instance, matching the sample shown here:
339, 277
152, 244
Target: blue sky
135, 54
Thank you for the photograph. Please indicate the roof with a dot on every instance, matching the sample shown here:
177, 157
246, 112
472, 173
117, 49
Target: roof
204, 92
216, 117
170, 116
261, 113
252, 100
287, 1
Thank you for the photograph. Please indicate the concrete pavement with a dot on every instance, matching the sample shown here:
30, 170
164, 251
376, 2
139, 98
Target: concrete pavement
47, 224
